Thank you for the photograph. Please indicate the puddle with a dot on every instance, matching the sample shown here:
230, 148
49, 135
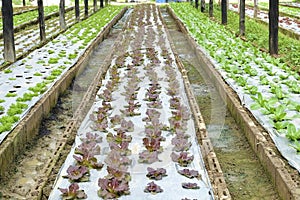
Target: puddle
244, 175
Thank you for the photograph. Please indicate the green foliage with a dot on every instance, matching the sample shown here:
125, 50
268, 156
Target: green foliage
279, 113
11, 94
7, 71
37, 74
17, 108
296, 146
2, 100
39, 88
292, 132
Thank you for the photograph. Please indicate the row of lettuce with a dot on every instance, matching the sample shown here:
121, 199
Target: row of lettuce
292, 11
25, 81
257, 33
30, 15
264, 83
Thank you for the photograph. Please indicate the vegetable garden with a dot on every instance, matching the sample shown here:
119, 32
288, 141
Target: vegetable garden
138, 131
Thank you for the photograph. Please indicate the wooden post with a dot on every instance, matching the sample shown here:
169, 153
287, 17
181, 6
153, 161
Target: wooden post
62, 21
95, 5
86, 8
41, 20
77, 11
255, 9
211, 8
202, 5
242, 17
8, 31
273, 26
101, 4
24, 3
224, 11
196, 4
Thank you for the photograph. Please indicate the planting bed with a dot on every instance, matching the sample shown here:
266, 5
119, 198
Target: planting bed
285, 22
284, 10
229, 66
28, 38
138, 139
26, 81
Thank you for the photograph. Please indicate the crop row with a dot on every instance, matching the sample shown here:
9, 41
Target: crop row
141, 113
265, 85
29, 38
24, 82
282, 9
29, 16
257, 33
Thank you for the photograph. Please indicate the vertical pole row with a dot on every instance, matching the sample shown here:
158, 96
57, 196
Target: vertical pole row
77, 12
101, 4
95, 5
211, 8
8, 31
196, 4
202, 5
41, 20
273, 26
62, 21
242, 17
224, 11
255, 9
86, 8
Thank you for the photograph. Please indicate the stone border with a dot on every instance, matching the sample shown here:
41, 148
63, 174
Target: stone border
212, 165
28, 128
282, 175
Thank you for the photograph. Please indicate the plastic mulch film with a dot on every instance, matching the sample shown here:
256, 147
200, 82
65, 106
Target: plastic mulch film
172, 183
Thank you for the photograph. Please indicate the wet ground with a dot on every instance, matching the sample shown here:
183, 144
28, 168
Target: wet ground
244, 175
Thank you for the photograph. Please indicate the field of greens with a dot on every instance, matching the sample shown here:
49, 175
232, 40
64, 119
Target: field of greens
285, 22
28, 38
289, 49
24, 82
265, 85
282, 9
29, 16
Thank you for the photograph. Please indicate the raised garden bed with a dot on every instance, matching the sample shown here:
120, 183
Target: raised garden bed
39, 84
139, 132
209, 41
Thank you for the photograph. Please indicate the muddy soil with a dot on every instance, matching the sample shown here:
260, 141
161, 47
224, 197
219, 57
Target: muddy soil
244, 175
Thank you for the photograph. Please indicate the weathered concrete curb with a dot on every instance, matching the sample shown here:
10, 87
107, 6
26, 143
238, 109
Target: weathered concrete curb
28, 128
282, 175
211, 162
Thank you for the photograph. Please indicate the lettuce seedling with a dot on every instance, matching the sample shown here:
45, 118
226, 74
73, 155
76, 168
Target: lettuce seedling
153, 188
112, 188
182, 159
148, 157
73, 192
190, 186
296, 146
292, 132
78, 173
190, 173
118, 174
279, 113
181, 144
152, 144
156, 174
